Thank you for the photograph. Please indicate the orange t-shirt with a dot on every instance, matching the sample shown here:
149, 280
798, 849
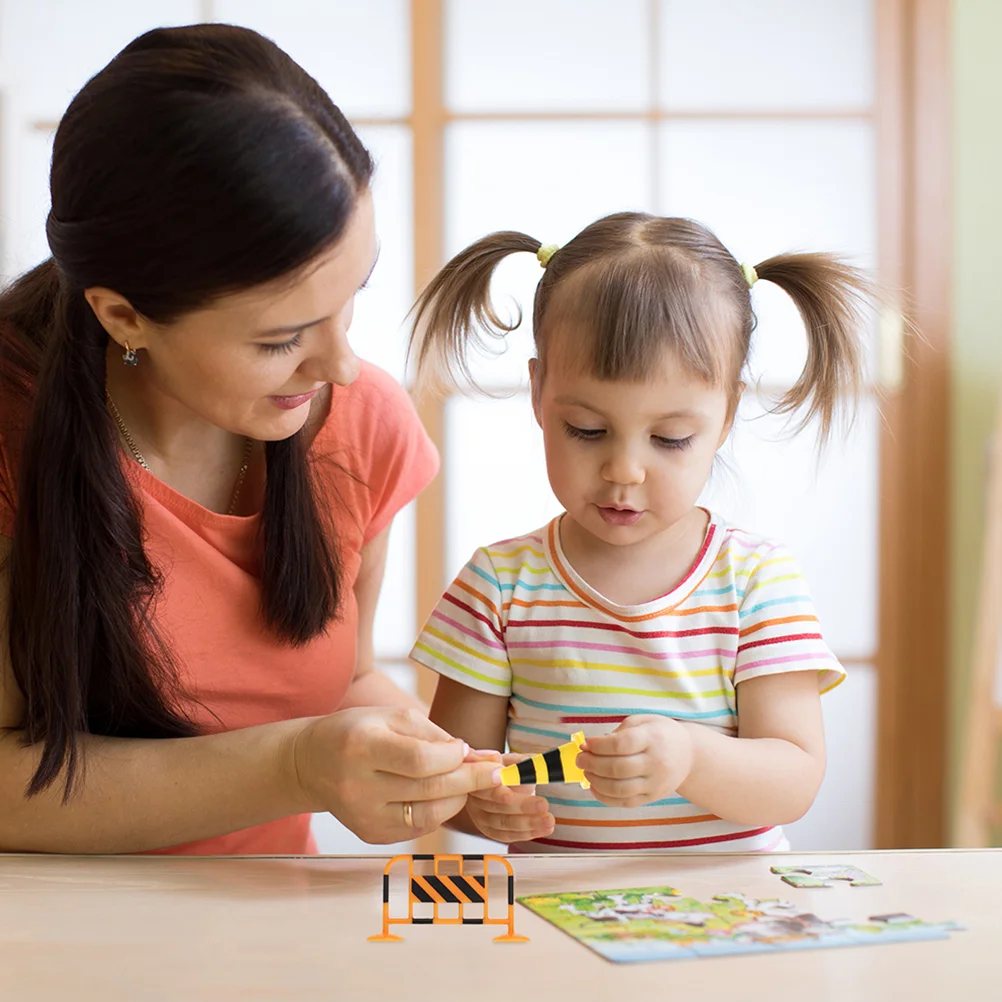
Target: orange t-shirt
237, 672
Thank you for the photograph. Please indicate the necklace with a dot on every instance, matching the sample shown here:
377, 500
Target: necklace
141, 459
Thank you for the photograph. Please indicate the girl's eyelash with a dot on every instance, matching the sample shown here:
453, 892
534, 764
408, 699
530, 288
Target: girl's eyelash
591, 434
588, 434
285, 346
673, 443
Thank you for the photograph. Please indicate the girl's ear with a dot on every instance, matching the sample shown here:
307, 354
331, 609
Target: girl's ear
534, 389
732, 411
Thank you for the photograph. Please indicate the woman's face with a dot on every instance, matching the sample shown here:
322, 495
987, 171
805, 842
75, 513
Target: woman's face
252, 362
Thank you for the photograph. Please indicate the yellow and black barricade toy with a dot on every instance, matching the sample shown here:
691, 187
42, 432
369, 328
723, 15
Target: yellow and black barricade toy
461, 889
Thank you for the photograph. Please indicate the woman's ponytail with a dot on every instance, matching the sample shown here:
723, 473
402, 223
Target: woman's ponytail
83, 648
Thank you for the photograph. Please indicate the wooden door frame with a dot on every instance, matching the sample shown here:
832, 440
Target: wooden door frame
914, 148
428, 130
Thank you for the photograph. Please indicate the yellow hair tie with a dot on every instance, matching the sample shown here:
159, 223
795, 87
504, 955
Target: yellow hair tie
546, 252
750, 274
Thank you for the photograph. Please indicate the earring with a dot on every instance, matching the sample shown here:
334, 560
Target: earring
129, 357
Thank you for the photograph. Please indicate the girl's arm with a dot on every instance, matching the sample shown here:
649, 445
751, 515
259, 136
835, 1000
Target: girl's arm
768, 775
371, 687
134, 795
479, 718
505, 814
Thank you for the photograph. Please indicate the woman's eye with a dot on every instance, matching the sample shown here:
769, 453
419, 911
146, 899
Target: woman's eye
588, 434
284, 346
672, 443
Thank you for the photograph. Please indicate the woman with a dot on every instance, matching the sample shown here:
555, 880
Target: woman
197, 478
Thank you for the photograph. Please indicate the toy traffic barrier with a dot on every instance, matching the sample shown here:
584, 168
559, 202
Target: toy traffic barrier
437, 888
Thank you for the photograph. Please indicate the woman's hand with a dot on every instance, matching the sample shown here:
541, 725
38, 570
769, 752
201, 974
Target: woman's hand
510, 813
645, 758
365, 764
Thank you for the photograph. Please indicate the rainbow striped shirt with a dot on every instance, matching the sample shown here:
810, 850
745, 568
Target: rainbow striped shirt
520, 622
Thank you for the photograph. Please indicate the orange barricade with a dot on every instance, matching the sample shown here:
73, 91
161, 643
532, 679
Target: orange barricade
437, 888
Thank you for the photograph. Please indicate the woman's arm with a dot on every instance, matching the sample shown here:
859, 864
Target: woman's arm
370, 687
768, 775
134, 795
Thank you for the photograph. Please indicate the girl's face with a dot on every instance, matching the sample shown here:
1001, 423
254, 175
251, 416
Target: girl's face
627, 460
251, 362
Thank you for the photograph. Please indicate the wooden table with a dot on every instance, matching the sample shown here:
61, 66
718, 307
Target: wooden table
192, 929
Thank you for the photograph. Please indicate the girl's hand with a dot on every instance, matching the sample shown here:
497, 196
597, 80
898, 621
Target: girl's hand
645, 758
365, 764
510, 813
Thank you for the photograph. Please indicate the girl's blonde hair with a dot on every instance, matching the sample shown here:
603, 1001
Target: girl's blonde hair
632, 285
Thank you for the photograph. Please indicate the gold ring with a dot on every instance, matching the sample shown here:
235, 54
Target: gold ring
409, 814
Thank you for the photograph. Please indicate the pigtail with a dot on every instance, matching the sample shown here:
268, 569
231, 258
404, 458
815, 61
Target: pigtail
455, 311
831, 297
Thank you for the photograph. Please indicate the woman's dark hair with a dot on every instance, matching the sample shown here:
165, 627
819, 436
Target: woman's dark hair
200, 161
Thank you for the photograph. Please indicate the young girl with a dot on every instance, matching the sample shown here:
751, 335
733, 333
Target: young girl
687, 650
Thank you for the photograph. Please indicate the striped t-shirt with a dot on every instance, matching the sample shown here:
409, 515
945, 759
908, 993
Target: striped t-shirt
518, 621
